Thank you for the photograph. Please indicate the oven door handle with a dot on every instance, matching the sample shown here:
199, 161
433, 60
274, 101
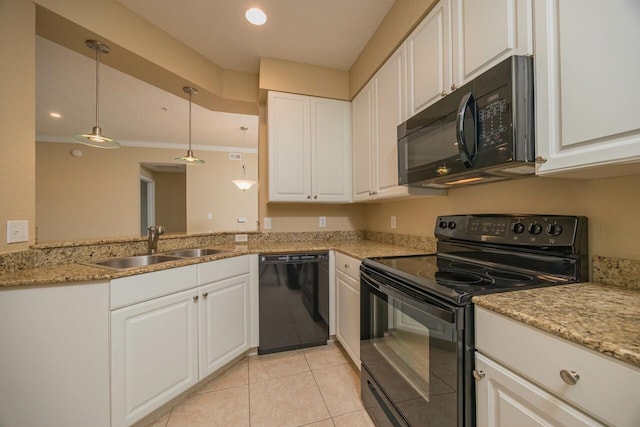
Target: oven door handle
423, 304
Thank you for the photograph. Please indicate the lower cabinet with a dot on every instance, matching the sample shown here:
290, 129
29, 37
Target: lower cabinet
164, 345
348, 305
528, 377
506, 399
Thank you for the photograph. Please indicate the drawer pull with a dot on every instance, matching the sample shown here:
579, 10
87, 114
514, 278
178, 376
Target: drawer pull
569, 377
205, 295
478, 375
195, 299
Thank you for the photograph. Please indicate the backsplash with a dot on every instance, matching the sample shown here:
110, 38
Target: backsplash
617, 272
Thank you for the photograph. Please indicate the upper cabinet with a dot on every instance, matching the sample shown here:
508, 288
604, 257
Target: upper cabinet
460, 39
309, 149
587, 86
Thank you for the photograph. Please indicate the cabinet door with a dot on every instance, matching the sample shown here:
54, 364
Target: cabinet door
331, 150
429, 59
363, 155
348, 315
154, 354
486, 32
223, 322
289, 147
587, 85
504, 399
390, 90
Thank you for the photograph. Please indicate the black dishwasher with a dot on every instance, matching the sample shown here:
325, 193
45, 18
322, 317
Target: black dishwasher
294, 301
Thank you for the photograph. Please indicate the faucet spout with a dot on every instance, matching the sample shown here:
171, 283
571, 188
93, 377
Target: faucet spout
154, 233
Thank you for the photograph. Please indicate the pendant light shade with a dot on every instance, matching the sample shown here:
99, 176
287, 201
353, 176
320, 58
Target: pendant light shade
244, 184
189, 159
96, 138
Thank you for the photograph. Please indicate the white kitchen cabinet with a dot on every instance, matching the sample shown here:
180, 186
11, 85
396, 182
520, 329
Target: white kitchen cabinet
523, 379
587, 87
54, 355
309, 149
487, 32
154, 354
460, 39
429, 72
505, 399
377, 111
223, 322
348, 305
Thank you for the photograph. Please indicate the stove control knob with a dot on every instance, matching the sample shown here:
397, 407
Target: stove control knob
442, 224
451, 225
517, 227
535, 228
554, 229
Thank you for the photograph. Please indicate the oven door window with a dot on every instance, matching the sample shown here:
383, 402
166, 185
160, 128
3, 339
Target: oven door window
413, 357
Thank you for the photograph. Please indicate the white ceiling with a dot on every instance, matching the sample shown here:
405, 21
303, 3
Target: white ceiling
330, 33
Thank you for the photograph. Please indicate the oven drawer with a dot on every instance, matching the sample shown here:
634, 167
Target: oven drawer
606, 388
348, 265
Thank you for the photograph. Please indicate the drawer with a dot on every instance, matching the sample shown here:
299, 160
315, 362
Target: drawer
607, 388
222, 269
348, 265
142, 287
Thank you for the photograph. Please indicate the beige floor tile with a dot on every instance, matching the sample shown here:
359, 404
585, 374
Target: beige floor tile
229, 407
323, 423
277, 365
354, 419
235, 376
340, 388
289, 401
324, 356
160, 422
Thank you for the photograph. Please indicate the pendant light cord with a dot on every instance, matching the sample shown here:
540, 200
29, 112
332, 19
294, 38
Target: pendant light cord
97, 85
190, 92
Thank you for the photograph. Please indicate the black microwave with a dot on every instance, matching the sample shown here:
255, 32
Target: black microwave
482, 132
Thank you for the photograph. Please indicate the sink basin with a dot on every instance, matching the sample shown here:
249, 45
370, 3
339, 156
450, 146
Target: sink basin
195, 253
134, 261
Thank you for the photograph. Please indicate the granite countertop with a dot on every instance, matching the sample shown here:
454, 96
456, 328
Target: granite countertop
604, 318
68, 274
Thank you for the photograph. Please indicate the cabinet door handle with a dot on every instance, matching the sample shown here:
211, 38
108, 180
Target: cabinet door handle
453, 87
308, 196
315, 197
541, 159
443, 93
195, 299
478, 375
569, 377
205, 295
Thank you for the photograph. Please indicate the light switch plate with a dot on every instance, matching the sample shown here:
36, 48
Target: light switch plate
322, 221
393, 221
17, 231
267, 223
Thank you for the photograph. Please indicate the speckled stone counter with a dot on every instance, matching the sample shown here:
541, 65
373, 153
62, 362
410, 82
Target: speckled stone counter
70, 273
601, 317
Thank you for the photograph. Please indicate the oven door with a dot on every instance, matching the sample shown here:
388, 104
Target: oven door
413, 355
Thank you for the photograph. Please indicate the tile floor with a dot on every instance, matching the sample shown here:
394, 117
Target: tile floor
310, 387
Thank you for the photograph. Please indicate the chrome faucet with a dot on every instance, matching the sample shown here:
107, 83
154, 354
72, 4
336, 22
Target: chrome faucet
154, 233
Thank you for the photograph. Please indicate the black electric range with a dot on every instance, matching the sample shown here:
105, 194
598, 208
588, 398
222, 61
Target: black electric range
417, 333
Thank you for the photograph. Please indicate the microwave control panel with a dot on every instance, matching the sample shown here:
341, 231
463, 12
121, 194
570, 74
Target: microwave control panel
492, 124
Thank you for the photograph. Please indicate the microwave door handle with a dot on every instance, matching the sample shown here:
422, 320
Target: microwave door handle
465, 156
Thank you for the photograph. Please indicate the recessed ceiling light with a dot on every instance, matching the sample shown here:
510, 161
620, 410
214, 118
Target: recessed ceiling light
255, 16
56, 115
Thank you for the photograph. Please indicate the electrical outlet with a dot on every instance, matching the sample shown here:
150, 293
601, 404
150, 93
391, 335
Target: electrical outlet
242, 238
17, 231
209, 216
322, 221
242, 220
393, 222
267, 223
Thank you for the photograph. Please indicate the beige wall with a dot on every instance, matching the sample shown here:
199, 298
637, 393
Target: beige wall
612, 206
17, 118
171, 201
97, 195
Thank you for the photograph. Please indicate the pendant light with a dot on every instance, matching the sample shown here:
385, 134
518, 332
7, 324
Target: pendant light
243, 184
189, 159
96, 138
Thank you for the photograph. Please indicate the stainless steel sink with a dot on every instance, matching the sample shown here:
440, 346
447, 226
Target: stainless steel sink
124, 263
195, 253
